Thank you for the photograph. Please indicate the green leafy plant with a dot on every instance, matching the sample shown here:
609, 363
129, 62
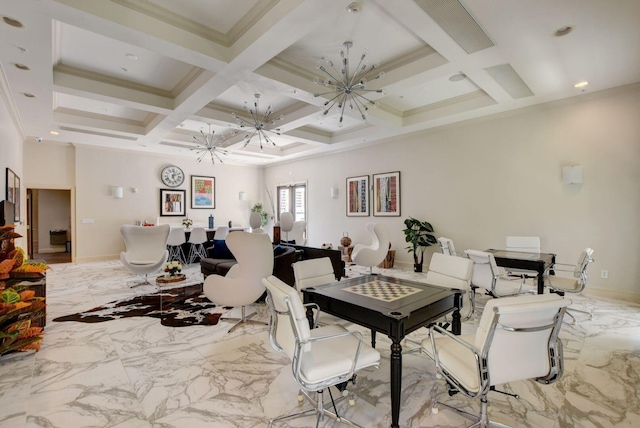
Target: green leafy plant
264, 216
419, 235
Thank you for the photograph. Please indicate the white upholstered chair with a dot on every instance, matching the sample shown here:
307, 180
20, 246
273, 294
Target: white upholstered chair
446, 246
517, 339
242, 285
486, 275
176, 238
320, 357
575, 284
221, 233
453, 272
373, 254
286, 224
146, 249
197, 238
297, 232
526, 244
313, 272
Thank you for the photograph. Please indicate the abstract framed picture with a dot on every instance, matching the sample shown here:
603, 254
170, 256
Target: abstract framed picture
386, 194
172, 202
203, 192
12, 192
358, 196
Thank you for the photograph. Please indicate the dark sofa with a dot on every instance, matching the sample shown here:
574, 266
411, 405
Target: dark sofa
219, 262
305, 253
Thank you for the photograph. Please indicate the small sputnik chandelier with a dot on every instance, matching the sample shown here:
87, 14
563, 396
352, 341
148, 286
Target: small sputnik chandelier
257, 123
211, 145
348, 89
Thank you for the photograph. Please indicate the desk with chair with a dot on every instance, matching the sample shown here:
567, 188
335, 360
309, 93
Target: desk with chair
391, 306
538, 262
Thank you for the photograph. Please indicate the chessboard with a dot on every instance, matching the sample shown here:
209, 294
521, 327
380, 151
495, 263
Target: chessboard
382, 290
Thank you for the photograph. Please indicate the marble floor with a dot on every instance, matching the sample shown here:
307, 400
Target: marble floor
134, 372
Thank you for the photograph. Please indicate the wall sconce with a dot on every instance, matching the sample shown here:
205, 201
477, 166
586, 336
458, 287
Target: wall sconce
242, 196
572, 174
117, 192
334, 192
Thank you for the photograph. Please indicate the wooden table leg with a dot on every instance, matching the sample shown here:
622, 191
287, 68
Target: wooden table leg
396, 382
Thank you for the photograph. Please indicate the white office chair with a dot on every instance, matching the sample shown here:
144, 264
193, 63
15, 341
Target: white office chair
373, 254
517, 339
176, 238
286, 224
562, 285
255, 221
197, 239
242, 285
486, 275
454, 272
313, 272
296, 234
320, 357
146, 249
524, 244
446, 246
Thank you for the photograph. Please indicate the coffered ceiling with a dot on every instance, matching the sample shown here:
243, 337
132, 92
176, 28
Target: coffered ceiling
147, 75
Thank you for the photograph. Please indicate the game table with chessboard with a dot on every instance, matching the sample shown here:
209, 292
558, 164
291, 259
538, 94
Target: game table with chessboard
392, 306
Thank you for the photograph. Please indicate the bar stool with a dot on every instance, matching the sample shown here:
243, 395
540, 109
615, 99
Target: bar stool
197, 239
176, 238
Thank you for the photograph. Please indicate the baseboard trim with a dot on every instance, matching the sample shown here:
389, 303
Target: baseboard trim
624, 296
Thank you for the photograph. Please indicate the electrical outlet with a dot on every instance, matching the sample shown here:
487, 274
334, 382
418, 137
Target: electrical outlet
604, 273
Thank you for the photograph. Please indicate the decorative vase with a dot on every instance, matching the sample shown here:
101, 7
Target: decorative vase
417, 267
345, 241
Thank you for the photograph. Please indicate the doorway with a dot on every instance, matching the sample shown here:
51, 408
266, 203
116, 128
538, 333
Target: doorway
49, 225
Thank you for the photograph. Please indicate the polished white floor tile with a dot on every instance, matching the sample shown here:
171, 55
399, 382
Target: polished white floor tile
134, 372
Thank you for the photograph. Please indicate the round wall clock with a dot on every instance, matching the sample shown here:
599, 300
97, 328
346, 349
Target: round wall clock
172, 176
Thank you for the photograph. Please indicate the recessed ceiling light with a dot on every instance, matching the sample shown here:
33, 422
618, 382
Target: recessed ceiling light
28, 95
54, 133
563, 31
12, 22
131, 57
20, 66
581, 84
457, 77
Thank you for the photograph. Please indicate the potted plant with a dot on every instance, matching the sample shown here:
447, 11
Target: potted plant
418, 233
264, 216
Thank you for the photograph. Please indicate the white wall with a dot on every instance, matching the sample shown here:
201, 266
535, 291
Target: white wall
96, 170
479, 181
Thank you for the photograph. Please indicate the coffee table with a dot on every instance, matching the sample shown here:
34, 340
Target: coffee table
392, 306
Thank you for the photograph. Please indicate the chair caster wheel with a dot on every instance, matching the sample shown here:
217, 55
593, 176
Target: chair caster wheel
438, 376
300, 399
352, 401
345, 393
435, 410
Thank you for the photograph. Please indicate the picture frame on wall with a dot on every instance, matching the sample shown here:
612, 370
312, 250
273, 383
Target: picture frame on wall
203, 192
358, 196
172, 202
386, 194
12, 191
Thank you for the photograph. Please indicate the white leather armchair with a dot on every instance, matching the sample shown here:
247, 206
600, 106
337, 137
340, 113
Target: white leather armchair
146, 249
454, 272
517, 339
446, 246
242, 285
320, 357
373, 254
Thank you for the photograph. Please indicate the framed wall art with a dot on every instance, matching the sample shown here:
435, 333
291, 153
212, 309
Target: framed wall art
386, 194
172, 202
12, 191
358, 196
203, 192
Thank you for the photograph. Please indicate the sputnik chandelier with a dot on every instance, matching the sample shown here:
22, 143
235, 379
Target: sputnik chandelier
256, 126
211, 145
348, 89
